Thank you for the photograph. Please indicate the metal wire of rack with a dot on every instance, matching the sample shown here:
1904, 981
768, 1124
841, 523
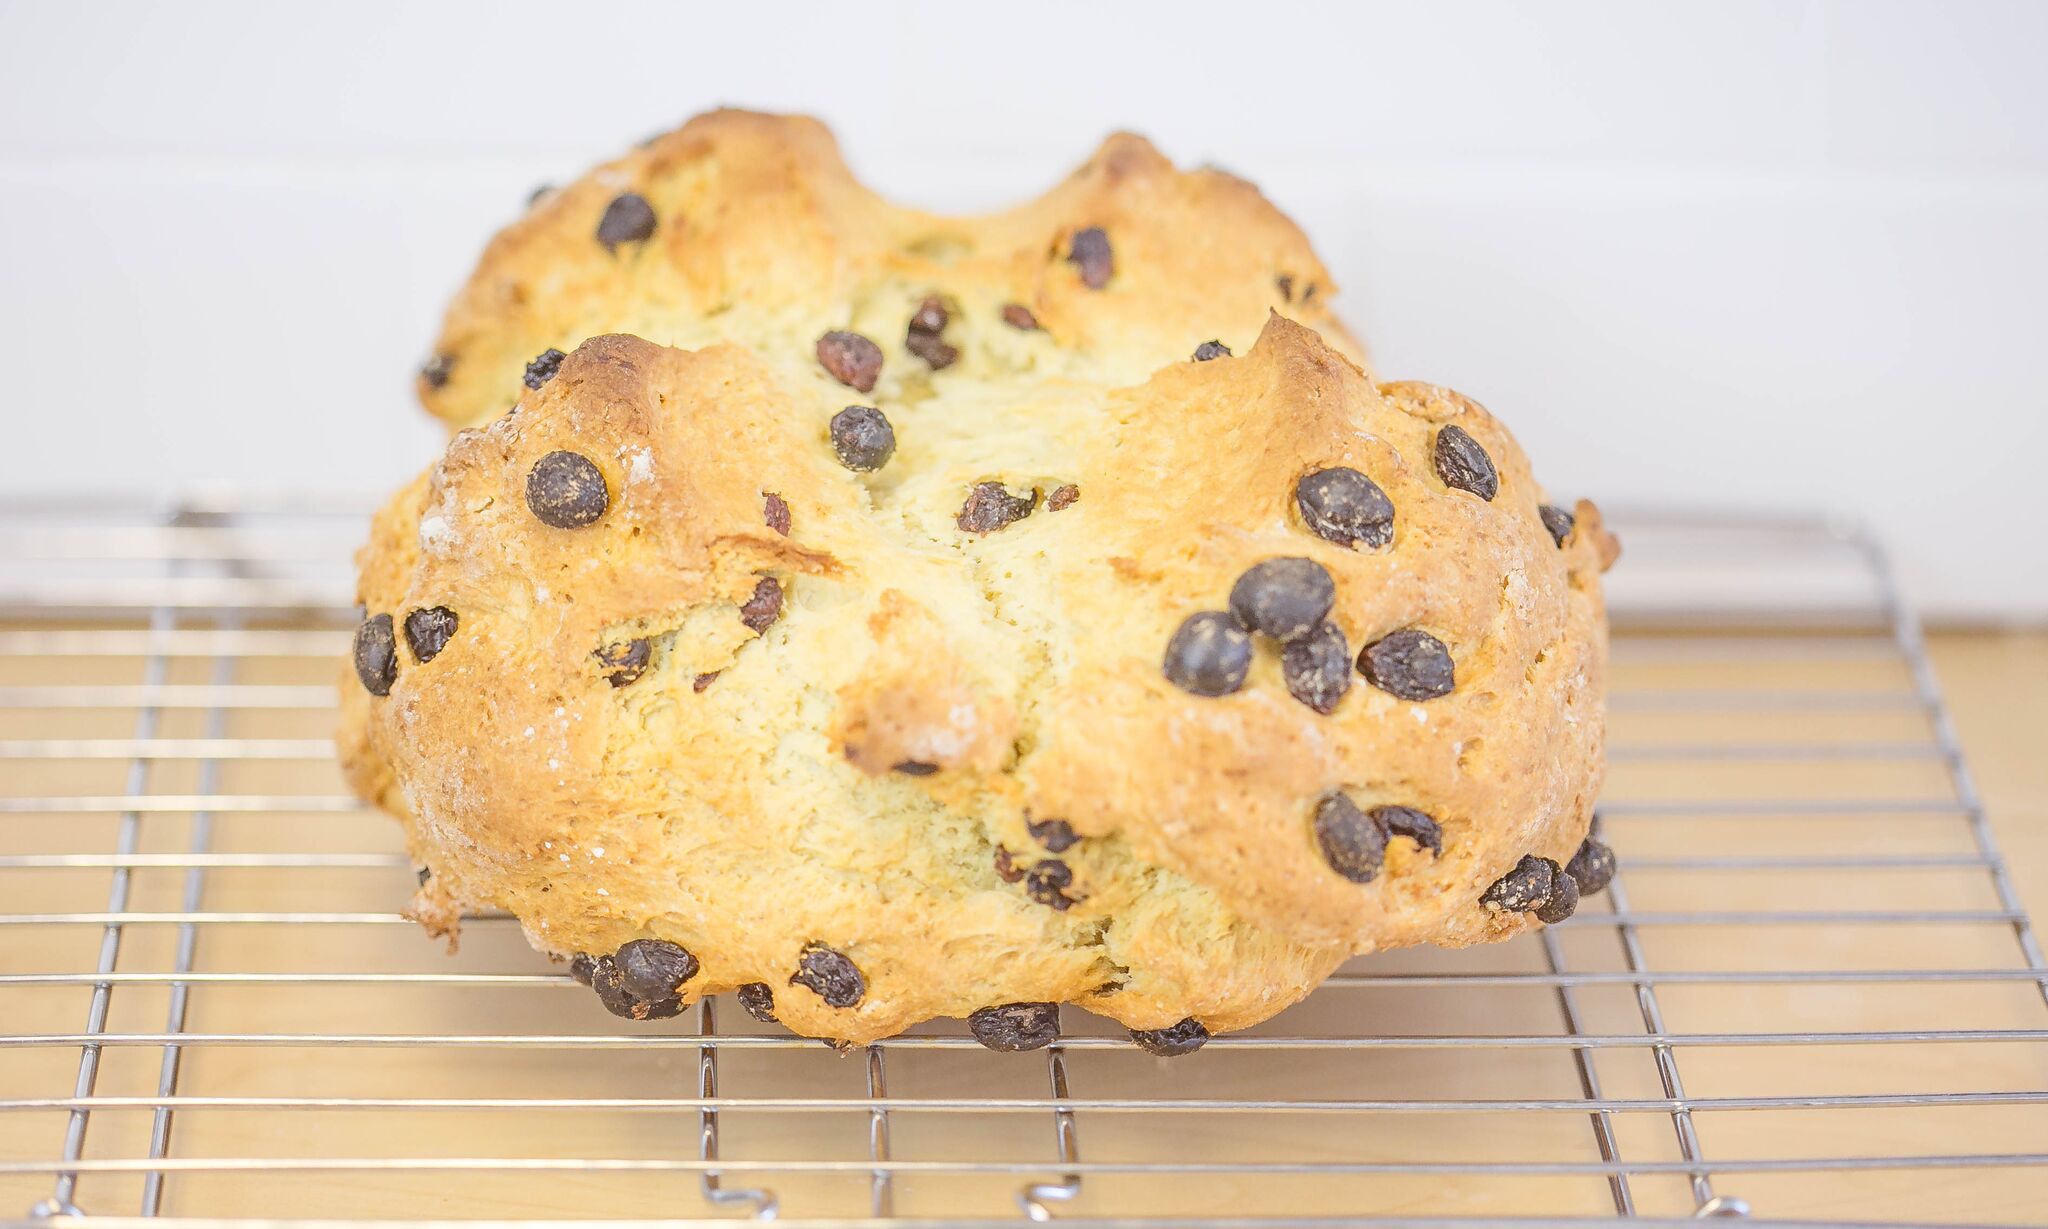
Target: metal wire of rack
1810, 995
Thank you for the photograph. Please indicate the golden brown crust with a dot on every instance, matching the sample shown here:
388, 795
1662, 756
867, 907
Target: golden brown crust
873, 770
764, 238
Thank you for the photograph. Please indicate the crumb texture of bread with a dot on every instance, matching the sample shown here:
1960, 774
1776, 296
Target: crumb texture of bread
798, 718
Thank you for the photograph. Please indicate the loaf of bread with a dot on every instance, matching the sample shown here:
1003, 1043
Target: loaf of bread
888, 616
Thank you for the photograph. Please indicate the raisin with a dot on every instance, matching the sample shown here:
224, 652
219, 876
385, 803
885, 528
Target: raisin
830, 975
914, 768
1209, 654
604, 978
1063, 497
580, 966
762, 609
1592, 868
852, 360
654, 968
625, 661
543, 367
990, 507
427, 632
628, 219
1317, 668
704, 680
1211, 349
1056, 835
619, 1003
1174, 1040
1007, 869
863, 438
610, 982
1015, 1027
1047, 882
1411, 664
1463, 464
376, 655
1563, 902
423, 874
1091, 255
929, 347
1353, 843
775, 512
566, 490
1411, 823
1344, 506
1018, 316
757, 999
922, 338
1524, 889
1285, 285
931, 316
1557, 521
435, 371
1283, 598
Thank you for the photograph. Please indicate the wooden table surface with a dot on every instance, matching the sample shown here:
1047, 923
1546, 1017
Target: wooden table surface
1997, 687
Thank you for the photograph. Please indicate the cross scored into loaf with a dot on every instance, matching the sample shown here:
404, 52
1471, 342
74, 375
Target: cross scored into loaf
891, 616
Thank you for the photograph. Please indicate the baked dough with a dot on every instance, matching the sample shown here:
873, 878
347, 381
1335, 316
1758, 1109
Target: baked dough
658, 663
757, 233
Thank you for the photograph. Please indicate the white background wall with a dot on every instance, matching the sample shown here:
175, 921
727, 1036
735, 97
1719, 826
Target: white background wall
1737, 254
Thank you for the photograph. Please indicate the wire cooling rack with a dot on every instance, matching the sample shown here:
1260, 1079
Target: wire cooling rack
1810, 995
